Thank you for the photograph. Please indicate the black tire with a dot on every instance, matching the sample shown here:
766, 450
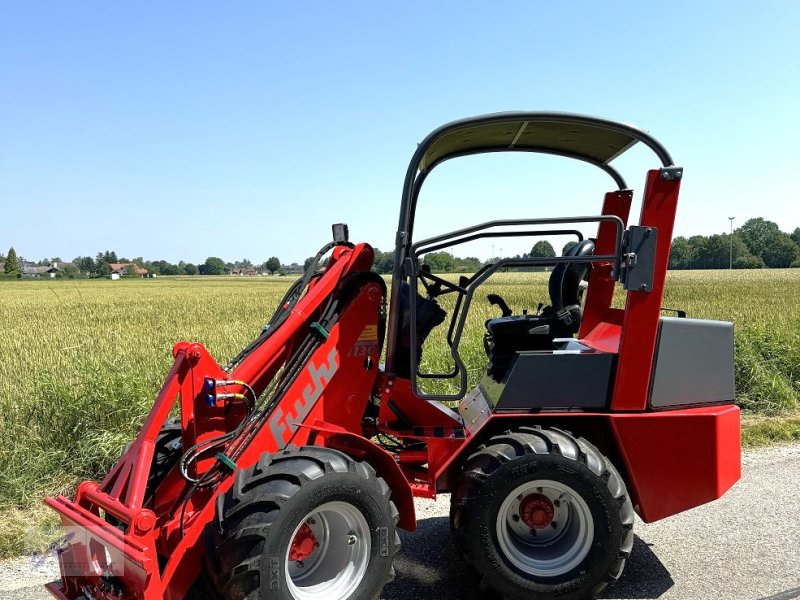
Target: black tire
248, 544
596, 512
167, 452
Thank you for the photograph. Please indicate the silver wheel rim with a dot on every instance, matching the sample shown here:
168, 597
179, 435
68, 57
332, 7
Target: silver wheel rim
338, 563
556, 548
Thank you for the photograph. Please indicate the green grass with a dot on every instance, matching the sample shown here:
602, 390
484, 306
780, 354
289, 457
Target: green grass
81, 361
760, 431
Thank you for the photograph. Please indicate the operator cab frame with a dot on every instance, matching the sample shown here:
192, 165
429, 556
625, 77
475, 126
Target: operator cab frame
634, 256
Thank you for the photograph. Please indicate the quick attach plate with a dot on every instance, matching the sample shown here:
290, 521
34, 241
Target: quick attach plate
639, 258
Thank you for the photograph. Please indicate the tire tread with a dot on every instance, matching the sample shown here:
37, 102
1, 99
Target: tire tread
541, 441
245, 514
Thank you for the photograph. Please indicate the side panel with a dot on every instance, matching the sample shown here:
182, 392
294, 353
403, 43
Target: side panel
552, 380
694, 364
677, 460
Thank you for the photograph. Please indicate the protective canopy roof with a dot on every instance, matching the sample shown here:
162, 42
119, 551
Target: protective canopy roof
586, 138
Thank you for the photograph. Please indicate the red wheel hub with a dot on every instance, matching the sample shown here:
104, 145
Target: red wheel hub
303, 544
536, 511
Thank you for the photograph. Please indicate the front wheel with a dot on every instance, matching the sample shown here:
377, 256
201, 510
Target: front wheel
541, 514
308, 524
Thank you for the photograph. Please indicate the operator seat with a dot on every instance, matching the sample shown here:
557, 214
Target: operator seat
509, 334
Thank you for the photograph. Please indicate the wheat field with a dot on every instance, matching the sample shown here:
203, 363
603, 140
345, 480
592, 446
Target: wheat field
81, 361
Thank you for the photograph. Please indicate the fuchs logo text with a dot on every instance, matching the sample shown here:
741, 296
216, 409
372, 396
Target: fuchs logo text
283, 424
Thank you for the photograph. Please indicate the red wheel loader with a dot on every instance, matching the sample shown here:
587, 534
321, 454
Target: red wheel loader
291, 468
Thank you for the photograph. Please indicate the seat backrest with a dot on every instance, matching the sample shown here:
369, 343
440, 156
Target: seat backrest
564, 285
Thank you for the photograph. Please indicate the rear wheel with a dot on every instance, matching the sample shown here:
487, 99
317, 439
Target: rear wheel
539, 513
308, 524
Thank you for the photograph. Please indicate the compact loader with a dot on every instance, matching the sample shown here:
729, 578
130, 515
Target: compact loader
290, 469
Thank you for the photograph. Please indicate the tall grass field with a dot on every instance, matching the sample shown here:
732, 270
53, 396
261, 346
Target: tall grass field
82, 361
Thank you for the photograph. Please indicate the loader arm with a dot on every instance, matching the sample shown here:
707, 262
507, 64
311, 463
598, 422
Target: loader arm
297, 375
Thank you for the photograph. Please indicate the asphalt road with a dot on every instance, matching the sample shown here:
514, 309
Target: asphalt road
744, 546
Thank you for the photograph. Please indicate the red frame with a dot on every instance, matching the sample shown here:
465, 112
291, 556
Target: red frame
671, 460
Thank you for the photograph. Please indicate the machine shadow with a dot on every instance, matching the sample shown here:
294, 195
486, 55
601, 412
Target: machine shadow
428, 566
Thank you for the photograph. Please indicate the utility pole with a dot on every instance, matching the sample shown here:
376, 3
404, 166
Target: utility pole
730, 254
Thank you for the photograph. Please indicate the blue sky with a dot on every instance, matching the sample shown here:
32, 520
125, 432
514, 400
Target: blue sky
181, 130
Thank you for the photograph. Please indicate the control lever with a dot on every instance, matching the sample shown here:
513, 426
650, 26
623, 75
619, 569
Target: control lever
497, 300
433, 289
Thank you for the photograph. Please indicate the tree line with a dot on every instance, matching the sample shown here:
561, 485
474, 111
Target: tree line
100, 266
757, 244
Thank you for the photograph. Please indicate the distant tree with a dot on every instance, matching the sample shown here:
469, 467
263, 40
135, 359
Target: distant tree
162, 267
680, 254
46, 262
103, 262
716, 251
779, 250
273, 264
384, 262
568, 246
748, 261
244, 264
169, 269
85, 264
2, 257
740, 249
12, 264
543, 249
697, 244
190, 269
470, 264
756, 233
440, 262
213, 266
307, 263
71, 271
795, 235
